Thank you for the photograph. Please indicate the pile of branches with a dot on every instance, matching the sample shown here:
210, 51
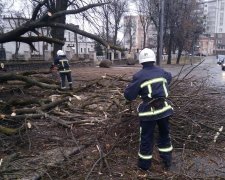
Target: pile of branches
98, 117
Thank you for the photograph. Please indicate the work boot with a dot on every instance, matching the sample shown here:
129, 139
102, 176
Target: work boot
62, 88
144, 164
71, 87
167, 164
166, 159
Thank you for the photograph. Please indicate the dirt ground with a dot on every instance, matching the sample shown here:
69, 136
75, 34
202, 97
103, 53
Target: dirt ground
103, 135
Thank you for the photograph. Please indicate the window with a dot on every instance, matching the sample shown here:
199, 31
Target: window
222, 6
221, 19
68, 36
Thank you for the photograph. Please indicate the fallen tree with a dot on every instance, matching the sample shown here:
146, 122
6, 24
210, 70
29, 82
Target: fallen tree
97, 115
52, 14
32, 82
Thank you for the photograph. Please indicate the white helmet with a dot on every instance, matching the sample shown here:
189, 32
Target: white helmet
147, 55
60, 53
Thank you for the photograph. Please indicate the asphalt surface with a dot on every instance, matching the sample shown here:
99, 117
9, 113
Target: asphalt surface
208, 70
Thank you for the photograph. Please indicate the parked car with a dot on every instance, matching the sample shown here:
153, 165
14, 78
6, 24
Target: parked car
220, 59
223, 66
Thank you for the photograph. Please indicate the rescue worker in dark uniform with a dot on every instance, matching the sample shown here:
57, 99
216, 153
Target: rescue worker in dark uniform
151, 84
63, 66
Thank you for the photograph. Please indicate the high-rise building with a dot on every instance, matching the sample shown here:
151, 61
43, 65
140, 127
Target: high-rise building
214, 12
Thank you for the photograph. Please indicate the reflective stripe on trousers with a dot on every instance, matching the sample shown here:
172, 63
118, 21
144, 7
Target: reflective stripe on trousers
63, 77
147, 139
167, 149
146, 157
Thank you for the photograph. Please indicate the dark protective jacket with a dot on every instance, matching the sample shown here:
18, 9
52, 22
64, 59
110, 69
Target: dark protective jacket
151, 84
62, 63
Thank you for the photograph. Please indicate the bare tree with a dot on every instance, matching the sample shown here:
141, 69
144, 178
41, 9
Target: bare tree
145, 19
152, 11
50, 18
118, 8
179, 15
183, 26
111, 15
130, 31
1, 20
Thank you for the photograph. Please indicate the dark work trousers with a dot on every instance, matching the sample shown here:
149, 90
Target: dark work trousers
147, 142
63, 76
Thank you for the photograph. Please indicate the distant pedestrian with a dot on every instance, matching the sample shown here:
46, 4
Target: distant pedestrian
151, 84
62, 63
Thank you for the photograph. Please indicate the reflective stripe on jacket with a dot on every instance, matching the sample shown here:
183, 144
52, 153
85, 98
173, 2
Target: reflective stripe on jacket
62, 63
151, 84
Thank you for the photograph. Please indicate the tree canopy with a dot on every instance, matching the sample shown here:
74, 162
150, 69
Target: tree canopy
51, 14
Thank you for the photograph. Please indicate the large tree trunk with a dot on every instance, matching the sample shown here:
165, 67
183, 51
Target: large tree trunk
179, 54
144, 43
169, 60
158, 55
13, 76
115, 38
58, 33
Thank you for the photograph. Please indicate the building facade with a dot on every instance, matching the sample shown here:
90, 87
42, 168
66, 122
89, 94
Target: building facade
215, 23
206, 45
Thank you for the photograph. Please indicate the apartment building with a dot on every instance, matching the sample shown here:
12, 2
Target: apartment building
215, 23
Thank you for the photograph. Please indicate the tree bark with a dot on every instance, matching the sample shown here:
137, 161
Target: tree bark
59, 32
13, 76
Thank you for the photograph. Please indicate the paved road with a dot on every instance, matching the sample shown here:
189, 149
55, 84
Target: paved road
214, 71
209, 70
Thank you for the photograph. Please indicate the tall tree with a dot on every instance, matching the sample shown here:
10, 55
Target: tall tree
153, 13
130, 30
118, 8
111, 15
189, 26
145, 19
56, 32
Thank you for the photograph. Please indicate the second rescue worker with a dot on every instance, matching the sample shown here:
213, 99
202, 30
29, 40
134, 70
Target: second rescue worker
63, 66
151, 84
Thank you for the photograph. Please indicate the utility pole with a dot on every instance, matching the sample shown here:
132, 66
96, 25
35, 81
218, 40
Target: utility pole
161, 32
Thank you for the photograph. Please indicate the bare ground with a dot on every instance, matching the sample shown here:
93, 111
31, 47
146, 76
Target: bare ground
103, 136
